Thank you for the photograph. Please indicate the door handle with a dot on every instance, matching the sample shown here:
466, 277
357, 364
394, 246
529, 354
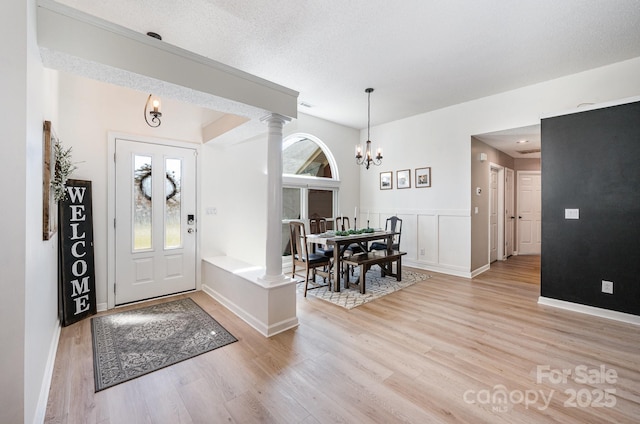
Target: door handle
190, 230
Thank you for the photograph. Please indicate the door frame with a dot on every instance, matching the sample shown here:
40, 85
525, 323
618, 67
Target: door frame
111, 205
500, 243
518, 200
509, 203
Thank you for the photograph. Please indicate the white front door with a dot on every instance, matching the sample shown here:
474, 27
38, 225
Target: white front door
529, 212
155, 239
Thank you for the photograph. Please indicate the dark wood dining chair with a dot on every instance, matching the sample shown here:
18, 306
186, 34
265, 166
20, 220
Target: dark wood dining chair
312, 263
393, 224
318, 225
343, 224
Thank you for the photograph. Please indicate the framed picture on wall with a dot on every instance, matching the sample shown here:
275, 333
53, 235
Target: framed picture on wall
423, 177
386, 180
403, 178
49, 206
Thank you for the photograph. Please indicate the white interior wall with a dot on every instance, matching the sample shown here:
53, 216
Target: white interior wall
28, 264
234, 183
442, 140
13, 161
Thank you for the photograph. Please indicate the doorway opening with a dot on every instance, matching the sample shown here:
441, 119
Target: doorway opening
498, 158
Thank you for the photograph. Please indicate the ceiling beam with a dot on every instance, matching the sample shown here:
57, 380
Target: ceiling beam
65, 30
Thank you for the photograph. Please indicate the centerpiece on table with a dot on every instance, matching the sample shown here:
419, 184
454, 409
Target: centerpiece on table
354, 232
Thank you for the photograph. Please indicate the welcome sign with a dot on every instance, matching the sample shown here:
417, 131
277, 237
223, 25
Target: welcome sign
77, 269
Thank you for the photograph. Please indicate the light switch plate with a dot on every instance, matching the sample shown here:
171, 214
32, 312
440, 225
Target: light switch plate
572, 214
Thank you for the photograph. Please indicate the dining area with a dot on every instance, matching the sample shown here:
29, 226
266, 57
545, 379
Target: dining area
330, 254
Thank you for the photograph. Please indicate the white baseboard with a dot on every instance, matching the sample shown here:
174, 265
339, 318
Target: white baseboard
437, 268
480, 270
101, 307
43, 398
590, 310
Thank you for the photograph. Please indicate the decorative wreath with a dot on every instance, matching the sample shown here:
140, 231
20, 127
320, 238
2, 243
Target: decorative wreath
144, 172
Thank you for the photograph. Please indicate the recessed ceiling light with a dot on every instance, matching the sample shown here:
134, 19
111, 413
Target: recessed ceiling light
522, 141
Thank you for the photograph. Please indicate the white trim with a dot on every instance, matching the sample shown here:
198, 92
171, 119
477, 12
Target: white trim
111, 203
43, 398
500, 254
302, 181
592, 107
480, 270
325, 149
443, 269
590, 310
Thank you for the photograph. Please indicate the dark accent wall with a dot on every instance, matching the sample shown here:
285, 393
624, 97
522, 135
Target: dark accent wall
591, 162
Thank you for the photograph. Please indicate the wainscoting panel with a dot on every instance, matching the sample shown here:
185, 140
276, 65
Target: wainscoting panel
454, 234
427, 242
436, 240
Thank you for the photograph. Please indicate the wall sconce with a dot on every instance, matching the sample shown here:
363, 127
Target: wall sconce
154, 112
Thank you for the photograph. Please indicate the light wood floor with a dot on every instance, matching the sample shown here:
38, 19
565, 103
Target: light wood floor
442, 350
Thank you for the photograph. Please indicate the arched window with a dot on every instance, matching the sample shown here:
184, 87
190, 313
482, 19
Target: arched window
310, 182
302, 155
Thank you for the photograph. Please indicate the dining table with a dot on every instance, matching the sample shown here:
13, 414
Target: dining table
340, 243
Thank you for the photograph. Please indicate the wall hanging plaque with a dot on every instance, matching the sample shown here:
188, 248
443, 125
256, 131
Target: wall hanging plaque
77, 271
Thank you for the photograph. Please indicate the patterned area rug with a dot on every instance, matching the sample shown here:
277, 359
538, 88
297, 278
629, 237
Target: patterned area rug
129, 344
376, 287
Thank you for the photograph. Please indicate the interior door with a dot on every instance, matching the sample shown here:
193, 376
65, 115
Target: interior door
493, 215
509, 212
529, 213
155, 225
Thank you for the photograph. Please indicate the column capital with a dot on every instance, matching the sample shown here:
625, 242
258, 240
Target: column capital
275, 117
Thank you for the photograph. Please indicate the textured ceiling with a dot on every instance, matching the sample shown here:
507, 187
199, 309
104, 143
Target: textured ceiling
419, 55
520, 143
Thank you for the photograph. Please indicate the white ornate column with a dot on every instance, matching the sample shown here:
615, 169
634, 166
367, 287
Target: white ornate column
273, 272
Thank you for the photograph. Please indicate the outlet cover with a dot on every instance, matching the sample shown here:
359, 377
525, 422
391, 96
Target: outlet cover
607, 287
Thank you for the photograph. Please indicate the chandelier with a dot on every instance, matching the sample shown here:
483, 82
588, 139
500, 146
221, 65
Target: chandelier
367, 159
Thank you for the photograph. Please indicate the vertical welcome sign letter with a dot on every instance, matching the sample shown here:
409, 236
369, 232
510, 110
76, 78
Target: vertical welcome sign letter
77, 269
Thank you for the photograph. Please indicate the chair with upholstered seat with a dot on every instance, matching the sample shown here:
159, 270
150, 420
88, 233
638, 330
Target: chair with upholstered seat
342, 224
393, 224
313, 263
